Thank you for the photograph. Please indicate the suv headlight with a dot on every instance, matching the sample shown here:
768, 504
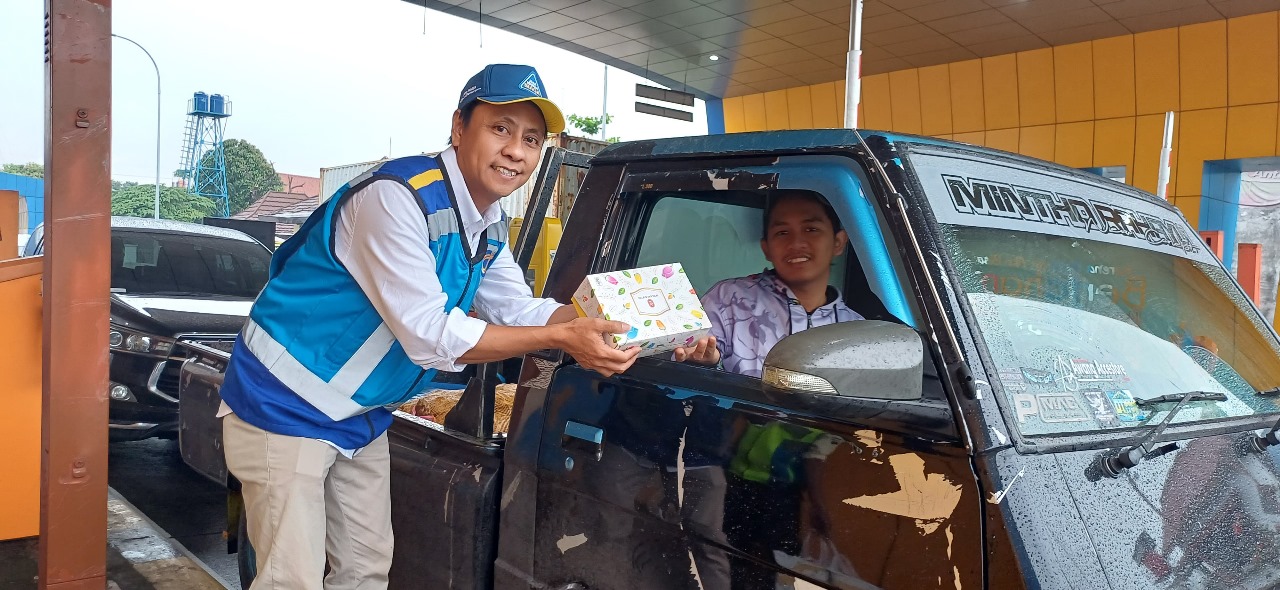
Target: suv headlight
125, 340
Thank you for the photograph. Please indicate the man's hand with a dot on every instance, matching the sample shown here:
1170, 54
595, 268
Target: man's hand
584, 339
703, 352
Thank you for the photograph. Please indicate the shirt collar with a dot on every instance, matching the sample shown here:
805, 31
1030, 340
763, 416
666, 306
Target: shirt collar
472, 220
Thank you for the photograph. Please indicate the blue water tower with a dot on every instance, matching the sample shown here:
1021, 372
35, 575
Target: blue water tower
204, 165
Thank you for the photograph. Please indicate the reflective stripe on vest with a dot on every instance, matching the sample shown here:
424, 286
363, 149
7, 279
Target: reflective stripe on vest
332, 397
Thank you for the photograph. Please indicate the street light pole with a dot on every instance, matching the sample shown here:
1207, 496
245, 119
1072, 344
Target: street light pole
153, 64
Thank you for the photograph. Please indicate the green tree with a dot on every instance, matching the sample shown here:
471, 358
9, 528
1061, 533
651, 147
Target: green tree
249, 174
28, 169
117, 185
175, 203
590, 125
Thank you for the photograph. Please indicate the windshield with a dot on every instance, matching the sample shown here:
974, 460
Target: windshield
157, 263
1091, 299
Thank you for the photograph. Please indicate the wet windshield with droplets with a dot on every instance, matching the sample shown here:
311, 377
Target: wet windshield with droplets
1090, 298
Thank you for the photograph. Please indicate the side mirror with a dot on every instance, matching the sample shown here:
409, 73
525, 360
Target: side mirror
867, 359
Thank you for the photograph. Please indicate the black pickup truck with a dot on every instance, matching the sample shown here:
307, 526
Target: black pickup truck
1057, 386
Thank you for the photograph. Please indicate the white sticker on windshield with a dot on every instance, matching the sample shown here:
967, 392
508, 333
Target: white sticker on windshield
995, 194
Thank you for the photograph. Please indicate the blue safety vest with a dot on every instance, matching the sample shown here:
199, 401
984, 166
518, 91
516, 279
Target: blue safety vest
316, 359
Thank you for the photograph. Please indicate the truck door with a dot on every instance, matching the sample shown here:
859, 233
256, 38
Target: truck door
680, 476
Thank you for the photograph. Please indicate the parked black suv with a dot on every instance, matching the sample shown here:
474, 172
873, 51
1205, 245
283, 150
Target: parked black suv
170, 281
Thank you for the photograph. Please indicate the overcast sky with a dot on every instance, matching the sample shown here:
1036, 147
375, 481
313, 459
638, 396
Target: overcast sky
313, 83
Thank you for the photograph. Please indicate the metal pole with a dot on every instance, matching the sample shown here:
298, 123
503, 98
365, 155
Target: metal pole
77, 262
853, 67
604, 110
1162, 182
153, 64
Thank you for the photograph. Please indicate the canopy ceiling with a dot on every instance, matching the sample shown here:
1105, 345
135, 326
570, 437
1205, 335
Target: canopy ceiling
767, 45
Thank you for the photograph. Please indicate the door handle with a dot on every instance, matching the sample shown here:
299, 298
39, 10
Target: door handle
583, 437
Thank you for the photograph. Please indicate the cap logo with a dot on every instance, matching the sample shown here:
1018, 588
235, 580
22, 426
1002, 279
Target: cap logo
469, 92
531, 84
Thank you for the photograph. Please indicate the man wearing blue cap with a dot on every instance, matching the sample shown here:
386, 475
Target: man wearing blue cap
364, 305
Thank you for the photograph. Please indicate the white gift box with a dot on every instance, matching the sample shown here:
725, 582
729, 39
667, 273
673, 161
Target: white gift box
657, 301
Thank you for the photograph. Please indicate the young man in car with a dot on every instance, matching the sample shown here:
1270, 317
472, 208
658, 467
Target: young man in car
749, 315
364, 304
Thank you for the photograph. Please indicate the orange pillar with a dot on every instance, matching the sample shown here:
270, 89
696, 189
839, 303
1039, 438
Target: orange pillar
77, 260
1213, 239
1249, 270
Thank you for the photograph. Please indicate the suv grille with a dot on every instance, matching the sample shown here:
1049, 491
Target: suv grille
168, 380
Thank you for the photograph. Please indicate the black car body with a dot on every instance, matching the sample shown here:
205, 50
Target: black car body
1057, 386
170, 281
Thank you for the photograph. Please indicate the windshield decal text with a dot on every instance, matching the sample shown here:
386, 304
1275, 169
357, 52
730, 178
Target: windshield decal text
972, 196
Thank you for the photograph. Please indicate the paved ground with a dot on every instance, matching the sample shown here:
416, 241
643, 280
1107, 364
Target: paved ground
150, 474
140, 556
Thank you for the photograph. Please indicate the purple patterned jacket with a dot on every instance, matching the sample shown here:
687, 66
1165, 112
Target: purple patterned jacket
751, 314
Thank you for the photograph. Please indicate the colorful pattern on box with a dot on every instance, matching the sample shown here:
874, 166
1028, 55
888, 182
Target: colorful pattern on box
657, 301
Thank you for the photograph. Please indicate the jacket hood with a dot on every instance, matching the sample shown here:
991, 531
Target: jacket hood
170, 316
1204, 516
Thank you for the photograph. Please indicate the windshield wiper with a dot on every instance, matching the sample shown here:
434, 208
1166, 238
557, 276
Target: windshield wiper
1112, 465
1196, 396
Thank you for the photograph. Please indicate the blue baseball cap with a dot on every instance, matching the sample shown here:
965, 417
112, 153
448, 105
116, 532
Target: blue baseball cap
506, 84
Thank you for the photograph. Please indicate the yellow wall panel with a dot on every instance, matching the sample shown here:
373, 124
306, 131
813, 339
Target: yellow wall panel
1073, 144
753, 112
1003, 139
1035, 87
935, 100
822, 97
1148, 134
1190, 207
800, 108
840, 104
1202, 57
775, 110
1251, 131
1113, 88
1155, 58
733, 121
975, 138
1251, 59
877, 112
1113, 143
1000, 90
1201, 136
967, 111
1037, 142
1073, 81
904, 91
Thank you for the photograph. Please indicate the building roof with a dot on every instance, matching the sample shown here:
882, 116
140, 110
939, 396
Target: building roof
294, 214
766, 45
274, 202
303, 185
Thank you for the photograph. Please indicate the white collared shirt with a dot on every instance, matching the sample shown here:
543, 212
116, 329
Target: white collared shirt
382, 241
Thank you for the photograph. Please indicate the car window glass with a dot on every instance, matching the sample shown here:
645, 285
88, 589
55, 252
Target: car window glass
167, 263
713, 240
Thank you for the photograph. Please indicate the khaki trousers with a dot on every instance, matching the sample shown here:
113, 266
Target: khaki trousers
306, 502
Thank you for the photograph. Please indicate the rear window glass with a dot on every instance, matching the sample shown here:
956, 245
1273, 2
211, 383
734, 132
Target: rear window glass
181, 264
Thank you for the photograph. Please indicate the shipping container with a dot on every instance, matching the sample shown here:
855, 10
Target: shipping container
332, 178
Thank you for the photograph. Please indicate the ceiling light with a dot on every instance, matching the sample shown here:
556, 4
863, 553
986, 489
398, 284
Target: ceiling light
713, 57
